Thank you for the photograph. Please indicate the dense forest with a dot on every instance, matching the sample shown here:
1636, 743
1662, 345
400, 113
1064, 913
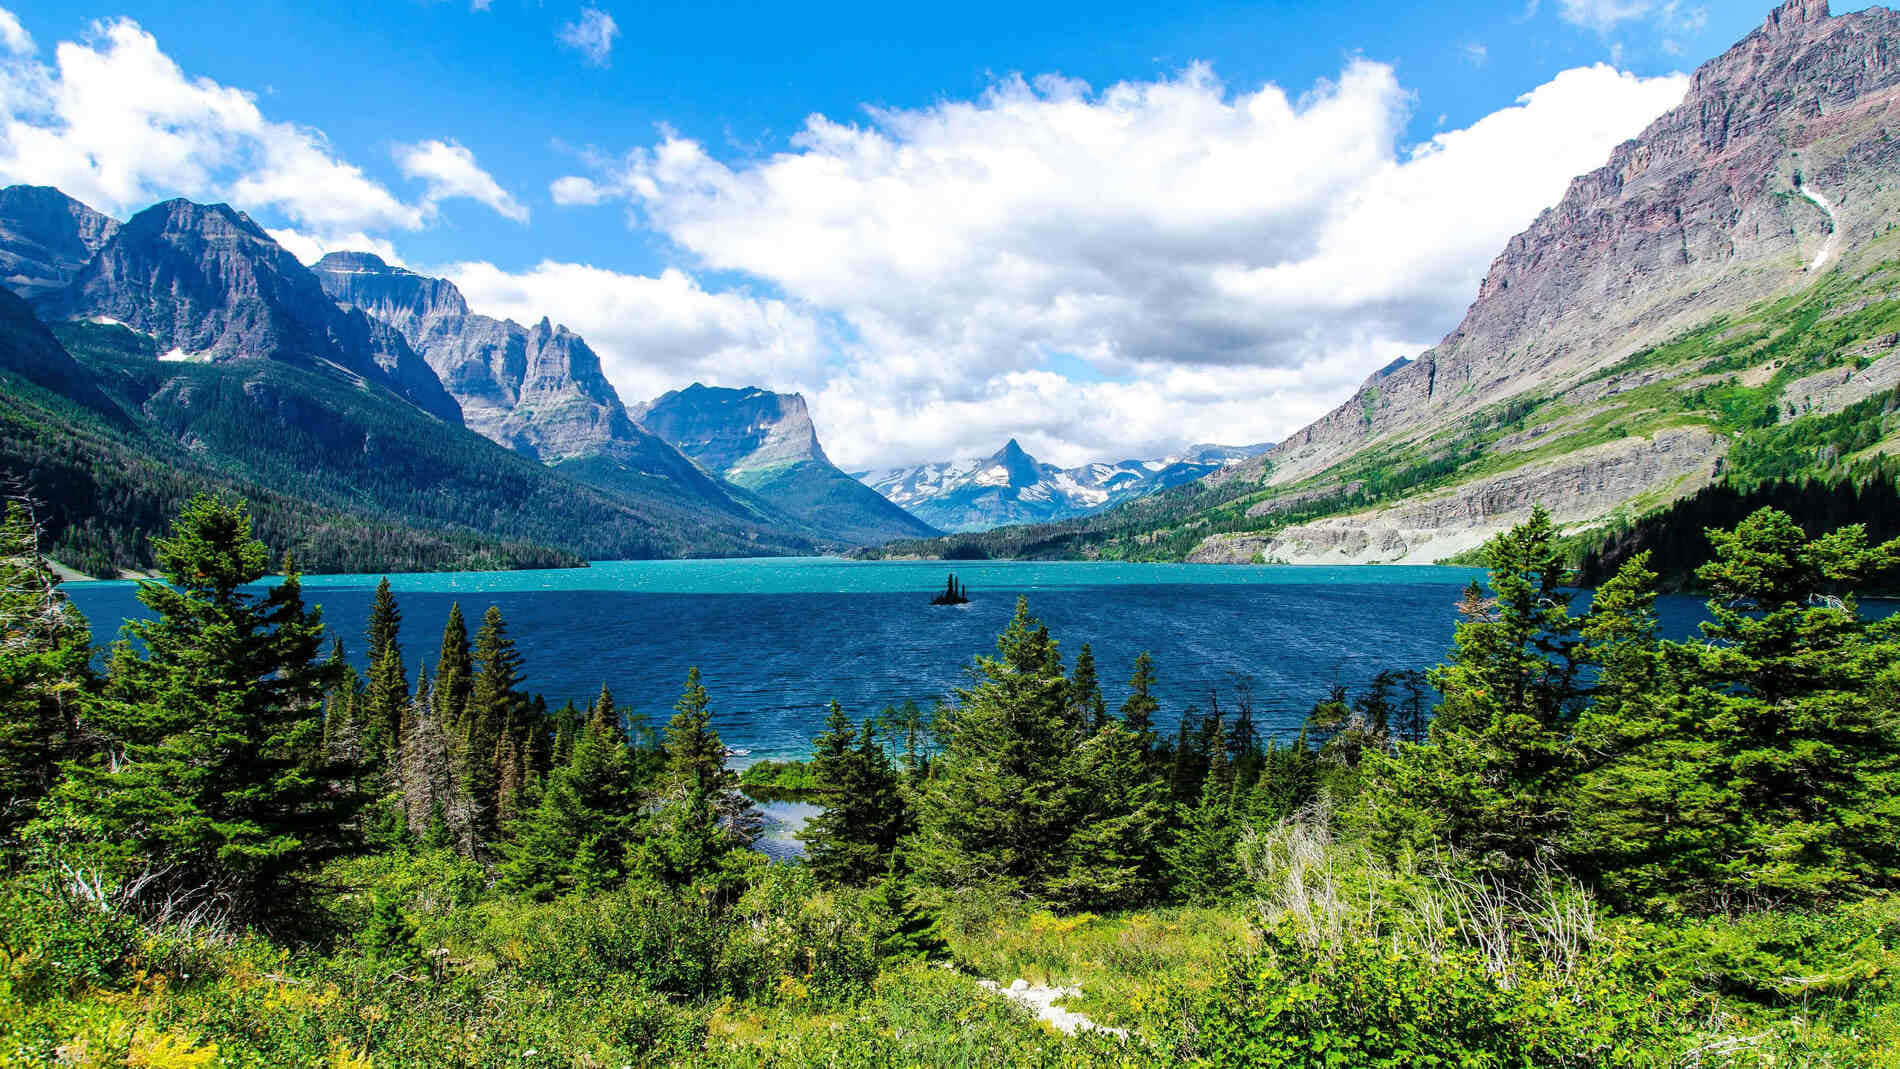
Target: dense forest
1574, 843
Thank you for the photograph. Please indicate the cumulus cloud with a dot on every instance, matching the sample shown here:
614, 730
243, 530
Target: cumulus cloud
449, 170
657, 333
1164, 234
115, 122
592, 35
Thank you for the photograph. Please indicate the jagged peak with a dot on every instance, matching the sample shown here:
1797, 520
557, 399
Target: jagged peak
1791, 16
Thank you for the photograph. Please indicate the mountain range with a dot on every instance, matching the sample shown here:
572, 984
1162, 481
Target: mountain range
386, 427
1012, 487
1718, 302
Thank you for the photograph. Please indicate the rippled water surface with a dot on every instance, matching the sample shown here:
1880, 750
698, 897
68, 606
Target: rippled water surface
776, 639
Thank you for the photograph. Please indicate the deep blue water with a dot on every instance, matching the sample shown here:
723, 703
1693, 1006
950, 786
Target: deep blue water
777, 639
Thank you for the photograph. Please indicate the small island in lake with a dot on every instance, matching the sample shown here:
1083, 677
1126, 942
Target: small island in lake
954, 593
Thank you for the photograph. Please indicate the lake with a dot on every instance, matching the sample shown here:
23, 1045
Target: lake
777, 639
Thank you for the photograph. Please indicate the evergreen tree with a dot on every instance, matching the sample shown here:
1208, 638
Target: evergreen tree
214, 775
582, 833
1113, 857
1762, 763
495, 711
850, 841
388, 693
1189, 763
999, 805
454, 671
903, 928
45, 669
1086, 709
1501, 746
702, 817
1139, 708
1289, 780
1204, 858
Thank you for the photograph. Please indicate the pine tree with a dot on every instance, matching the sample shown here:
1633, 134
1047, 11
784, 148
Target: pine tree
45, 669
1113, 857
703, 816
495, 711
903, 928
1500, 749
582, 833
1189, 763
215, 776
454, 671
1204, 857
1761, 763
1087, 711
851, 840
999, 804
388, 692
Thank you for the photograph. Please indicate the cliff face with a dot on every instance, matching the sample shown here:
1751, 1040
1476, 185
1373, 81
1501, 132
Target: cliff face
207, 284
46, 237
1769, 171
766, 443
538, 390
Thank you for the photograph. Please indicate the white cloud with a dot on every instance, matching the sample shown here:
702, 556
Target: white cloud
309, 248
573, 189
1168, 234
13, 36
656, 333
592, 35
1474, 53
115, 122
449, 170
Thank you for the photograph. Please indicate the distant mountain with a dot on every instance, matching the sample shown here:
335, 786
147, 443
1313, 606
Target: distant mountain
765, 442
46, 237
193, 353
208, 285
1012, 487
537, 390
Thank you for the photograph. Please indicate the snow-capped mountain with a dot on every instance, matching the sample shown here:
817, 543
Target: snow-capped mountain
1013, 487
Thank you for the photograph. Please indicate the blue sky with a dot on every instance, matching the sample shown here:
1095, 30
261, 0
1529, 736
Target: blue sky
702, 235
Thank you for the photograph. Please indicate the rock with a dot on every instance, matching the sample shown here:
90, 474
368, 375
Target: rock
766, 443
206, 283
46, 237
1578, 489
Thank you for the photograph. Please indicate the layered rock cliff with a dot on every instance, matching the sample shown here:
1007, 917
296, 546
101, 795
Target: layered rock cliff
538, 390
46, 237
766, 443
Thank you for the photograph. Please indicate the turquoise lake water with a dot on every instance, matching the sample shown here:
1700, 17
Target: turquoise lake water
776, 639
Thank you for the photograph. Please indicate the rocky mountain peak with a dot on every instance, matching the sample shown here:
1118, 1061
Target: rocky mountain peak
1776, 159
46, 237
733, 431
1019, 468
400, 297
1791, 16
206, 283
